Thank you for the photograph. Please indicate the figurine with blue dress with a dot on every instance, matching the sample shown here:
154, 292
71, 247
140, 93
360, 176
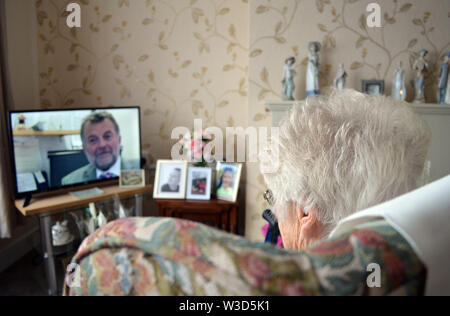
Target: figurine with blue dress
312, 74
421, 66
443, 80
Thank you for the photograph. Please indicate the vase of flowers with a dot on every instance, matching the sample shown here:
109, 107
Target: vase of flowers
194, 147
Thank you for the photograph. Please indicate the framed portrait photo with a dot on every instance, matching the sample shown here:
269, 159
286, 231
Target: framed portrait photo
199, 183
170, 180
227, 182
373, 87
132, 178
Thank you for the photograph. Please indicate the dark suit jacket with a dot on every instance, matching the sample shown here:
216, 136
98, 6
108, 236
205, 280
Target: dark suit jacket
88, 173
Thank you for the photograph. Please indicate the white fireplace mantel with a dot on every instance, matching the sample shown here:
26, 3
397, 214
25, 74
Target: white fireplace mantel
437, 116
279, 109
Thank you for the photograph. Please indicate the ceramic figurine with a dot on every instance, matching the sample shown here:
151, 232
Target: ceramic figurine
398, 84
341, 77
443, 80
90, 226
421, 66
312, 74
447, 94
288, 79
61, 234
101, 220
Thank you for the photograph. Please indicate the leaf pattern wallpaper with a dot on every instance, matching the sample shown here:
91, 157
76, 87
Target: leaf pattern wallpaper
218, 60
178, 60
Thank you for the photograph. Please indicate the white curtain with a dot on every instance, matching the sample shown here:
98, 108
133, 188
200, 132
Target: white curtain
6, 198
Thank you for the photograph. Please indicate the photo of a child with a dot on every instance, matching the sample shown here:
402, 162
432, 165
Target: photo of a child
228, 176
199, 183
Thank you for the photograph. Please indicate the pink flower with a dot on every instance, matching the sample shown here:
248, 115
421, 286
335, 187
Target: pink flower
256, 269
293, 289
196, 145
182, 226
190, 247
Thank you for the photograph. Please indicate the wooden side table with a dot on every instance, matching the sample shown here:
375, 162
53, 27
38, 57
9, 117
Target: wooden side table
216, 213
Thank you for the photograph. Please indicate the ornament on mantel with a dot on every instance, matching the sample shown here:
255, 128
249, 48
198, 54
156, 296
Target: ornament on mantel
312, 73
421, 66
398, 84
341, 78
444, 82
288, 79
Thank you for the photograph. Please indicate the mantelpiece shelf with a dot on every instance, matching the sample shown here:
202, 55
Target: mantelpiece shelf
44, 133
280, 108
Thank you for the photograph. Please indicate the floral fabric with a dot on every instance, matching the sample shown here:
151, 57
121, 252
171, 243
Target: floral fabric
162, 256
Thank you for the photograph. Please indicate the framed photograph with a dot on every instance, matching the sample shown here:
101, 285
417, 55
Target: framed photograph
228, 177
170, 180
199, 183
373, 87
132, 178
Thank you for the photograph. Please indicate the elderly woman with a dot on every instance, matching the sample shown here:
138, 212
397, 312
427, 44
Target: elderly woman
341, 154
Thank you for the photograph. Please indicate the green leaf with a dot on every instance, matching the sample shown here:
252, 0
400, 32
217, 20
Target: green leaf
356, 65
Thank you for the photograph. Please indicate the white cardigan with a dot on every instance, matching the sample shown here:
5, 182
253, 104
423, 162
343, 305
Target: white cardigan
422, 217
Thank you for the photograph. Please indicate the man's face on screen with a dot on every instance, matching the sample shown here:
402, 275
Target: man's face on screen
101, 144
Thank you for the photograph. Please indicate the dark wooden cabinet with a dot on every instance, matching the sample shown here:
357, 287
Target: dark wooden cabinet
216, 213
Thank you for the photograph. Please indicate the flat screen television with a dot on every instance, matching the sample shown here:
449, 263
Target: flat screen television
55, 149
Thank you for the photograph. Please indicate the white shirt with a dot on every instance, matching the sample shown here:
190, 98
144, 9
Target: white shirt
114, 170
422, 217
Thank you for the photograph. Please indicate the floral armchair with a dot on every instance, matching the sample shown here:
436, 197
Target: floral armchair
162, 256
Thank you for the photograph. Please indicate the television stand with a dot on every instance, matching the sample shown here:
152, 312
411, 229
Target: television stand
27, 201
83, 194
46, 207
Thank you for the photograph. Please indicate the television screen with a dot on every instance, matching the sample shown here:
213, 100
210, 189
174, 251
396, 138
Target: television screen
62, 148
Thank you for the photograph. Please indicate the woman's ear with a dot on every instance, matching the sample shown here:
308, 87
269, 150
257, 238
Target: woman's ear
311, 228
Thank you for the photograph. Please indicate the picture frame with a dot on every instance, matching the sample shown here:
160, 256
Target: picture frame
227, 182
132, 178
199, 183
373, 87
170, 179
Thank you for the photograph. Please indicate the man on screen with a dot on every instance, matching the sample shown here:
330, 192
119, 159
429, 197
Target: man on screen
100, 135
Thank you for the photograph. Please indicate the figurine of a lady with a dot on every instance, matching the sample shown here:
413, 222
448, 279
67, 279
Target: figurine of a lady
288, 79
421, 66
447, 95
398, 85
312, 74
341, 77
443, 80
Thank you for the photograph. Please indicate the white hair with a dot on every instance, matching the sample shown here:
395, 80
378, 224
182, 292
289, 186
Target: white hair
345, 152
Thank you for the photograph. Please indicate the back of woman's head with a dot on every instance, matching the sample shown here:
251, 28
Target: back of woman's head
347, 151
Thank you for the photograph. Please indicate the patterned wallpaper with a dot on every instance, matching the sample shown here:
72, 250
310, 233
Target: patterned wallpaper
178, 60
220, 59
